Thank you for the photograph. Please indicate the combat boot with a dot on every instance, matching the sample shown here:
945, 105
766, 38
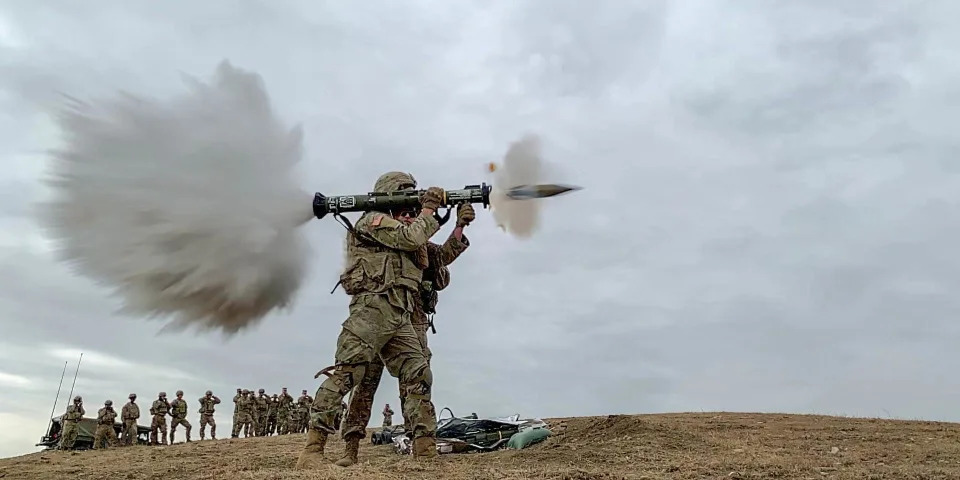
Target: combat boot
424, 448
312, 454
351, 445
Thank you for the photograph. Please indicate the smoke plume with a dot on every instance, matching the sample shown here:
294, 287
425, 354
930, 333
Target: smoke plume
186, 209
522, 165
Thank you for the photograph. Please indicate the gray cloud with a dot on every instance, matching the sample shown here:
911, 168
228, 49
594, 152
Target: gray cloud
766, 223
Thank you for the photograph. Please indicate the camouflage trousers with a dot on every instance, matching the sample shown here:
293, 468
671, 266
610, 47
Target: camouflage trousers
68, 436
361, 401
105, 435
378, 331
207, 419
271, 424
254, 425
243, 424
179, 421
293, 424
129, 432
262, 421
158, 430
282, 417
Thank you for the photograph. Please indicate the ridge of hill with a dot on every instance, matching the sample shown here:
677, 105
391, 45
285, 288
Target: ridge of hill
652, 446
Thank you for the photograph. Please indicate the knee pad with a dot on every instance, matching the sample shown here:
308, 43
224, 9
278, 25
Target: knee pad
421, 385
342, 380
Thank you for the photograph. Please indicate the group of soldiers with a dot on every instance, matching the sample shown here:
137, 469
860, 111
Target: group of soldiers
262, 415
130, 414
259, 416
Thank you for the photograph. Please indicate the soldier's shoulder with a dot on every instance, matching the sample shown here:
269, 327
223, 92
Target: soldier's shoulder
375, 220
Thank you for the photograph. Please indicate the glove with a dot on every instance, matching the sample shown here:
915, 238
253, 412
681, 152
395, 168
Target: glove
465, 215
432, 198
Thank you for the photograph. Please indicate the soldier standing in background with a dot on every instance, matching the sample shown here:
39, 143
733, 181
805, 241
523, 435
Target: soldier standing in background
158, 426
263, 405
236, 413
272, 411
208, 404
68, 434
105, 432
304, 401
293, 418
129, 415
178, 410
283, 412
245, 419
387, 416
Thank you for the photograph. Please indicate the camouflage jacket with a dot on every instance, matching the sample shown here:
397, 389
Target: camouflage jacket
106, 416
272, 409
130, 411
160, 407
436, 276
247, 405
285, 401
382, 255
74, 413
208, 405
305, 401
263, 403
236, 403
178, 408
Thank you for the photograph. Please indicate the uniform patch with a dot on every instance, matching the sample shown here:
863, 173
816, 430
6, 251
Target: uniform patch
376, 220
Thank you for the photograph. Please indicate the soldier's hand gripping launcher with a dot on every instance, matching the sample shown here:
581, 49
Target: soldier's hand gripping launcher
410, 199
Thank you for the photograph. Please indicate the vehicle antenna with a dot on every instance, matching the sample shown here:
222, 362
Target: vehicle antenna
57, 400
75, 377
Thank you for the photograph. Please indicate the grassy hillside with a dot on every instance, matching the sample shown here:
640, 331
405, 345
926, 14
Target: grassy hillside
676, 446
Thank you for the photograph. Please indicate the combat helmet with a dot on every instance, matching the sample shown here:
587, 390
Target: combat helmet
394, 182
208, 392
262, 391
132, 396
245, 391
179, 392
108, 403
78, 398
162, 394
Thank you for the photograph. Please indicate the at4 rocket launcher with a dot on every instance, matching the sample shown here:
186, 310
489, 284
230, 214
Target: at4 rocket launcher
410, 199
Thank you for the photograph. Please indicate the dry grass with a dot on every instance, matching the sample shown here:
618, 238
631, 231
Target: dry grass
675, 446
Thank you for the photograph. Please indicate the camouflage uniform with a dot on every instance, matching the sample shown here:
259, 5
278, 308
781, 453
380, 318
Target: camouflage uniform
129, 415
208, 404
436, 277
158, 426
385, 258
178, 410
272, 407
236, 413
293, 419
283, 412
304, 403
387, 416
105, 433
75, 412
245, 417
263, 405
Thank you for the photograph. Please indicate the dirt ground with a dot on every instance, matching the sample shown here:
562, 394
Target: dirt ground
669, 446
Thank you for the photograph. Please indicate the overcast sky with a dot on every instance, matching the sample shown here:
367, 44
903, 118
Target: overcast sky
769, 220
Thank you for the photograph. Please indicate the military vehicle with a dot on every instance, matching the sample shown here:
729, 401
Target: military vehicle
86, 429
